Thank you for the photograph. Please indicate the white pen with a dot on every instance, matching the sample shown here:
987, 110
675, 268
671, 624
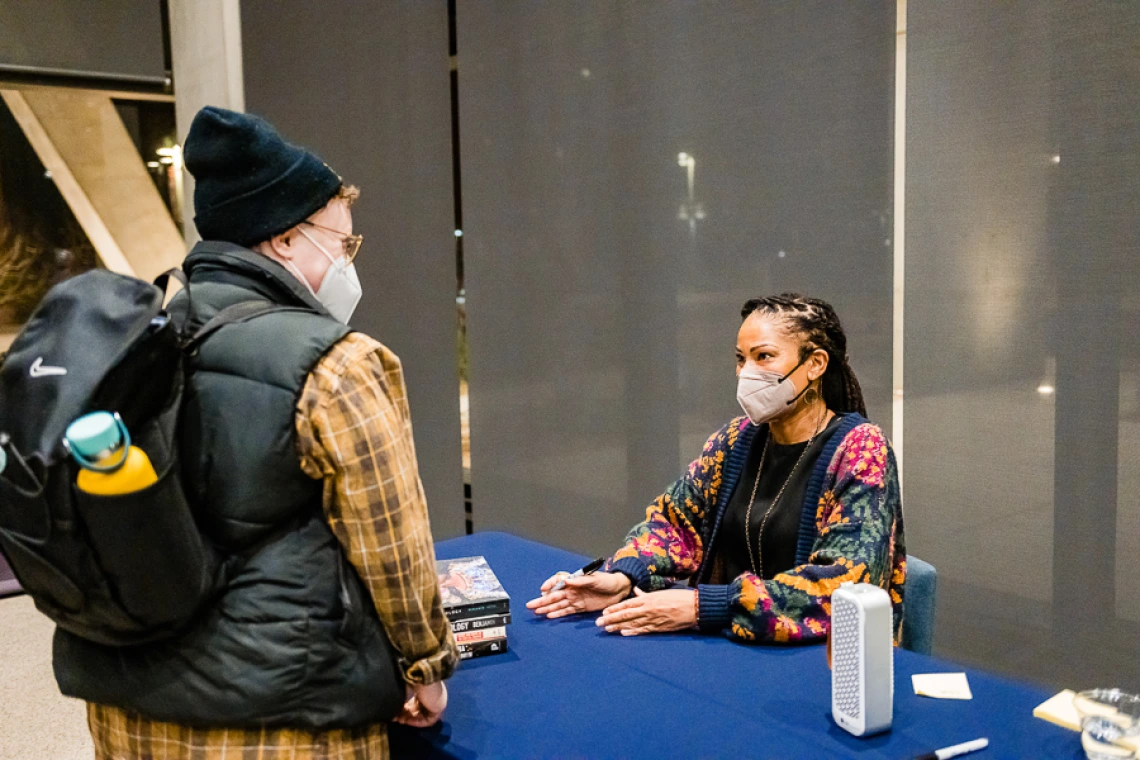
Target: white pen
956, 751
561, 584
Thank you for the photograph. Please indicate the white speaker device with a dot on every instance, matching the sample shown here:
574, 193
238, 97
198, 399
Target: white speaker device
862, 659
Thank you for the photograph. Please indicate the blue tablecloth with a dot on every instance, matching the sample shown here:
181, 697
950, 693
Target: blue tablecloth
567, 689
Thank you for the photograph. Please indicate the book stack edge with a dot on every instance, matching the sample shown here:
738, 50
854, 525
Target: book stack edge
476, 605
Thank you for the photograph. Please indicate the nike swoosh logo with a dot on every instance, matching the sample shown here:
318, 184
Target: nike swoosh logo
40, 370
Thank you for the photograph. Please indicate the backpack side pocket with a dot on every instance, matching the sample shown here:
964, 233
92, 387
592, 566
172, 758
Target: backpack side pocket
155, 559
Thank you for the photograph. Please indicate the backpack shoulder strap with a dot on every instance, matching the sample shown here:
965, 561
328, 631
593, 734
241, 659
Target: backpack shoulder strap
162, 282
238, 312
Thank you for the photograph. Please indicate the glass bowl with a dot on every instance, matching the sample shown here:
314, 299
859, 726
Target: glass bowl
1110, 723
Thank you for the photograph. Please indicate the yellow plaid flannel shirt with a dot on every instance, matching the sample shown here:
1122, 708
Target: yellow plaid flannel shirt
354, 432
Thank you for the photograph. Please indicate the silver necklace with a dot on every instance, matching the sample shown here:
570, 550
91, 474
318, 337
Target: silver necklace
758, 562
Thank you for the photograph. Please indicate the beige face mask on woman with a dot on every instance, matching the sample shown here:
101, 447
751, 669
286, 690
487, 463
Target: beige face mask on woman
765, 395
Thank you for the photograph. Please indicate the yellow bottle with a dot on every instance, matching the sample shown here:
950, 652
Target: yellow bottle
111, 465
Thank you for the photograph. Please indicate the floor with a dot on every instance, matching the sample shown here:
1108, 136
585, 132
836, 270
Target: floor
36, 721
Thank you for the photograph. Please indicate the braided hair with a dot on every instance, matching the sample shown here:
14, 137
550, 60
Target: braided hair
817, 322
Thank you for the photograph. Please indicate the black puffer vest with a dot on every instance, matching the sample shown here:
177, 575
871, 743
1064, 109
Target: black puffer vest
293, 638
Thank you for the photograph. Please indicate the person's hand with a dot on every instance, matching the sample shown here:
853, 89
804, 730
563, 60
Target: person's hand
586, 593
425, 705
657, 612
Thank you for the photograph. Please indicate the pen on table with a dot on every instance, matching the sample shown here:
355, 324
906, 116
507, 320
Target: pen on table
956, 751
590, 568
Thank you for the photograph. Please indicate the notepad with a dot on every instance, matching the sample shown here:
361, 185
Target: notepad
942, 685
1059, 710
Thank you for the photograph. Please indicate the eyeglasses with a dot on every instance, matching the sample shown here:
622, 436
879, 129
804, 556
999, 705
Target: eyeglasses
351, 243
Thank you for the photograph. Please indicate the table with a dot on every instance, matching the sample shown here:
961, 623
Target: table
567, 689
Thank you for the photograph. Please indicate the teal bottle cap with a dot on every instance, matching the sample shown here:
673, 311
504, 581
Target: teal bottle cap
94, 433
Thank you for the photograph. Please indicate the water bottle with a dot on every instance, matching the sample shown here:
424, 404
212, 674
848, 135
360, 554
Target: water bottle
99, 441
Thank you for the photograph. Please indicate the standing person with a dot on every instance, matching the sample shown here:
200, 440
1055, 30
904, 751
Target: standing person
783, 506
297, 451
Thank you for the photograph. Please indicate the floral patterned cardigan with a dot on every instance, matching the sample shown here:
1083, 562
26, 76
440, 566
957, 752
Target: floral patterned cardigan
851, 531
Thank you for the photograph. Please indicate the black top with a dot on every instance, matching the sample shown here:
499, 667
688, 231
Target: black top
782, 530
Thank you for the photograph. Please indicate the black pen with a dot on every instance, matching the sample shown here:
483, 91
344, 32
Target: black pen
955, 751
590, 568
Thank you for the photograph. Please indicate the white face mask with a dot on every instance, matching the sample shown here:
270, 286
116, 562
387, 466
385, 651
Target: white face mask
340, 290
765, 395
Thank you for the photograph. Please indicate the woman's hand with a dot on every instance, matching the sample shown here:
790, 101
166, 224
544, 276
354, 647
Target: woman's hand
425, 705
586, 593
658, 612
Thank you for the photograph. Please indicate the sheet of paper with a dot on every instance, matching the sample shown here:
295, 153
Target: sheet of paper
1059, 709
942, 685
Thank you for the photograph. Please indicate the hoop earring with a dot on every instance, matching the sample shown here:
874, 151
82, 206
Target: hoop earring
811, 395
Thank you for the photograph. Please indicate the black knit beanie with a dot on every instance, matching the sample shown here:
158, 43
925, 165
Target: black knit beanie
249, 183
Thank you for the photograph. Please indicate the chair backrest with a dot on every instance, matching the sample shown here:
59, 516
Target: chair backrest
918, 605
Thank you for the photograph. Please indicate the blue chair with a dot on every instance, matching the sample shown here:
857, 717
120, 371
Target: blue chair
918, 605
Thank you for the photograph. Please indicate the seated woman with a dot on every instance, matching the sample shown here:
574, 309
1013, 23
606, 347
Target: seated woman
783, 506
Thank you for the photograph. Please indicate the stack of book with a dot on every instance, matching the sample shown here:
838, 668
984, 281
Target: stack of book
476, 605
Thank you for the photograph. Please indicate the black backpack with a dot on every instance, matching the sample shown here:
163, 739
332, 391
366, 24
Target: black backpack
123, 569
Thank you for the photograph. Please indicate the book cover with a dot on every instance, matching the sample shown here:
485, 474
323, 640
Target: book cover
480, 623
470, 637
470, 589
482, 649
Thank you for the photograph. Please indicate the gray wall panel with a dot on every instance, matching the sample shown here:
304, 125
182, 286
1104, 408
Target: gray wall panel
1022, 421
116, 37
365, 84
601, 323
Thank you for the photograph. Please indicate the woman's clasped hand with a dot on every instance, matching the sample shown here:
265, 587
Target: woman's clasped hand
584, 593
656, 612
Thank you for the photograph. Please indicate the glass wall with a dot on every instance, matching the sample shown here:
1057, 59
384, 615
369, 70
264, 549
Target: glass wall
41, 242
